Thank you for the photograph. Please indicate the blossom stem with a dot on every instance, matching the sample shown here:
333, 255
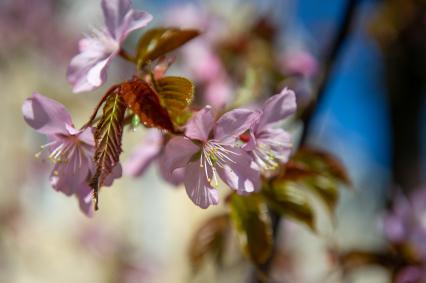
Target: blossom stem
125, 55
153, 81
92, 118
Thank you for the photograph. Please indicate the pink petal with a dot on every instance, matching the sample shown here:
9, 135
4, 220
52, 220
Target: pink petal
218, 93
411, 274
397, 224
234, 123
203, 62
239, 174
66, 177
146, 152
121, 19
198, 187
87, 73
278, 107
87, 136
96, 75
175, 178
134, 21
84, 196
45, 115
116, 173
278, 140
299, 62
201, 124
394, 228
177, 153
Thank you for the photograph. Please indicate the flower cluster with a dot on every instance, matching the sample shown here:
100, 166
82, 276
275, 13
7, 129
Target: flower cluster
87, 70
196, 148
235, 148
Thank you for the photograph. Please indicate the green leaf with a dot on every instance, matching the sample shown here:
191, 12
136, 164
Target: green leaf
323, 185
108, 135
252, 221
209, 240
326, 188
322, 163
159, 41
176, 95
288, 199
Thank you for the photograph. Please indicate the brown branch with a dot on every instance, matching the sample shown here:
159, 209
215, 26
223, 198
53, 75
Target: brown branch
126, 56
92, 118
329, 65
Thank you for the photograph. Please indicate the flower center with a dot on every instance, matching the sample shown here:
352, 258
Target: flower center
267, 156
108, 44
214, 154
65, 150
245, 137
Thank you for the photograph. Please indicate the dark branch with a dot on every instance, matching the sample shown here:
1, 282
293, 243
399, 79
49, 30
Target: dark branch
330, 62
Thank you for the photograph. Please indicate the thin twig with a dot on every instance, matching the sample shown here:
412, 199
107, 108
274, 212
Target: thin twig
98, 106
125, 55
330, 62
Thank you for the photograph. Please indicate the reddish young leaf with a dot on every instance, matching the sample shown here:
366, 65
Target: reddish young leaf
322, 163
144, 101
308, 171
108, 134
295, 171
159, 41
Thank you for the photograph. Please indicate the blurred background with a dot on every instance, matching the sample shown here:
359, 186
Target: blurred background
372, 117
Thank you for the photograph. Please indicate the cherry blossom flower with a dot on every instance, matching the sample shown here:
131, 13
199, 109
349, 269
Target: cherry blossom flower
207, 152
411, 274
69, 149
87, 69
407, 223
300, 67
299, 62
199, 56
269, 146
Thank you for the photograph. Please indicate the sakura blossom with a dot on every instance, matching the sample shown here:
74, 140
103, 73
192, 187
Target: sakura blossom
69, 149
411, 274
405, 224
269, 145
87, 70
208, 153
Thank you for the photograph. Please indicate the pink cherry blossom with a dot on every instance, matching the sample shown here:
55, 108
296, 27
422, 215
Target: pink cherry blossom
69, 149
406, 223
199, 56
208, 152
299, 62
268, 145
87, 69
411, 274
